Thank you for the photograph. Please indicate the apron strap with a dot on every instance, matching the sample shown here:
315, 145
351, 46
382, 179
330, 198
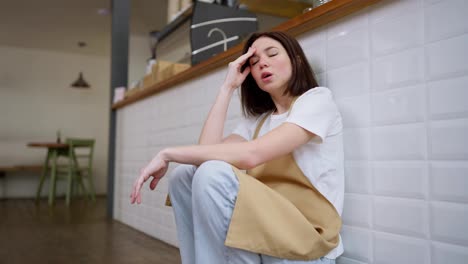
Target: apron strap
262, 121
259, 126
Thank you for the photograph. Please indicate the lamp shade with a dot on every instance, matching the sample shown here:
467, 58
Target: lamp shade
80, 82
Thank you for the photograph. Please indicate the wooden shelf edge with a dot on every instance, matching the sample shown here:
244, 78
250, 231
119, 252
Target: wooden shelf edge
315, 18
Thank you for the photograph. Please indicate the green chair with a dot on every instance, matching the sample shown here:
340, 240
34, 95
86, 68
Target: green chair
73, 164
80, 167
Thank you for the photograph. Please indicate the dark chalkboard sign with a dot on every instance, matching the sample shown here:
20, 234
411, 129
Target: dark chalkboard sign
216, 28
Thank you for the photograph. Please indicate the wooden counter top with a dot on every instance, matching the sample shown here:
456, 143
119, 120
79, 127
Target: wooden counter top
308, 21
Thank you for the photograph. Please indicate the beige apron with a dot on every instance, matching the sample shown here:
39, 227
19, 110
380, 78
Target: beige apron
279, 213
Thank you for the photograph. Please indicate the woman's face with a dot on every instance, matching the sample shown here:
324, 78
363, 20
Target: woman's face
270, 65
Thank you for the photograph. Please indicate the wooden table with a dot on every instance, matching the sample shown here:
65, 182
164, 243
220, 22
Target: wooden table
53, 151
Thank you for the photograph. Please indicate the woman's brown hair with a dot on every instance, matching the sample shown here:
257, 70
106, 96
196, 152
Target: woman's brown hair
254, 100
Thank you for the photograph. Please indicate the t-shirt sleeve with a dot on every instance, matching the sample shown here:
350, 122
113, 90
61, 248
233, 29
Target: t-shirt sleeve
246, 128
315, 111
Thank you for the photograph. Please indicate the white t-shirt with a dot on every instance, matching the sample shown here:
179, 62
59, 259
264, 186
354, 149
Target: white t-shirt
321, 159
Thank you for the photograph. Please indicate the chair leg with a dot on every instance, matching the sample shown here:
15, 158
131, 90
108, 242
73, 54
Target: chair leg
81, 184
53, 179
43, 176
69, 186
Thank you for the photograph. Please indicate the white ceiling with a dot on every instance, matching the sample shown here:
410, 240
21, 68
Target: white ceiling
59, 24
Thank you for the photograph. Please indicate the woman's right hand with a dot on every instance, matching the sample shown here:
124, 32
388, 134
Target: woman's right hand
235, 77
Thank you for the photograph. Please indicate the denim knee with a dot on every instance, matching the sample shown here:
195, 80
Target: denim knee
212, 176
180, 177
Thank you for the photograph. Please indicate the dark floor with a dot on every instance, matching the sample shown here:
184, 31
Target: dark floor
31, 233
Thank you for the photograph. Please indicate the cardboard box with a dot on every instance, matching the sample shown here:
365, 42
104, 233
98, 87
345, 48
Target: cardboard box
147, 81
132, 91
158, 68
164, 69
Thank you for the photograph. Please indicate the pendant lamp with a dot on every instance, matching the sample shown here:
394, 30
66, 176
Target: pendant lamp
80, 82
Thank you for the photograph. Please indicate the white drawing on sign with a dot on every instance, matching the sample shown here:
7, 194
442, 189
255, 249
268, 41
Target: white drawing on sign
224, 20
221, 42
222, 33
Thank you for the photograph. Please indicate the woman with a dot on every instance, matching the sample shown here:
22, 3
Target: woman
286, 207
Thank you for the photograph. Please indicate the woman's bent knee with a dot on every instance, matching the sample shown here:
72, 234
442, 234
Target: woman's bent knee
181, 175
214, 174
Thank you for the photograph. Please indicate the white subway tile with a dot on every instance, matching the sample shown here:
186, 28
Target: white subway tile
307, 39
448, 222
358, 177
356, 143
357, 210
345, 260
404, 105
195, 115
347, 24
346, 49
235, 109
403, 216
355, 111
446, 253
430, 2
447, 98
445, 19
171, 237
399, 69
397, 34
390, 249
321, 79
391, 9
400, 179
357, 243
446, 58
315, 51
448, 139
449, 181
399, 142
349, 81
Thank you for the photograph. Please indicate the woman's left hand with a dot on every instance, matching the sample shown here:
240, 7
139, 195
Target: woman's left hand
157, 168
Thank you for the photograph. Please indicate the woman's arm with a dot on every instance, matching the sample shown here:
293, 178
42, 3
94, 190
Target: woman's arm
212, 132
244, 155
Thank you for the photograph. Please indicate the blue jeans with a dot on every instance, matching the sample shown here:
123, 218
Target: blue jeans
203, 199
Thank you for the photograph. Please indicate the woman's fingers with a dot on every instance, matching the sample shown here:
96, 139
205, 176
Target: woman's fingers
155, 169
135, 195
244, 57
154, 182
245, 72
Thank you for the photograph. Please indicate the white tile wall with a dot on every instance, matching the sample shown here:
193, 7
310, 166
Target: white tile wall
400, 179
449, 222
397, 34
349, 81
446, 253
358, 210
403, 216
358, 177
445, 58
448, 139
399, 142
445, 19
449, 181
447, 98
359, 251
399, 74
399, 69
389, 249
